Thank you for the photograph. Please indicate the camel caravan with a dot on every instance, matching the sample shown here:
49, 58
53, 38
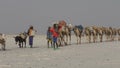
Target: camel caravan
59, 34
92, 33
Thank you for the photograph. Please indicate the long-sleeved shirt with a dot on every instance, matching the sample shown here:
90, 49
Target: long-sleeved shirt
54, 33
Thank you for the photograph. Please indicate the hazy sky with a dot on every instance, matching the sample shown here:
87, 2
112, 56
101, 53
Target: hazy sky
17, 15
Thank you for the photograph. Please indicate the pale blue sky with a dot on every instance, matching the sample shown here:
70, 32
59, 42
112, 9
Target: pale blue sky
17, 15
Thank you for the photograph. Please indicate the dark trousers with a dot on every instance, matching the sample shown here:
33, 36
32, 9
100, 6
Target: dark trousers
55, 45
31, 41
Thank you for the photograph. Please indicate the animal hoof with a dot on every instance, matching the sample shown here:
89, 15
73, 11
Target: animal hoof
65, 43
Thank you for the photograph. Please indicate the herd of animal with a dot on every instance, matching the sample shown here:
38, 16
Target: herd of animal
92, 33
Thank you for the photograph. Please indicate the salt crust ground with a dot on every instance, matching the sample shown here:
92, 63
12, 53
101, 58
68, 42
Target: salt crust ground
93, 55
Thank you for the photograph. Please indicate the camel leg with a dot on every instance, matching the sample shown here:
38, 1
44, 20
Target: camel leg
70, 38
25, 43
77, 40
3, 46
94, 38
89, 39
108, 37
65, 40
59, 41
62, 41
80, 39
101, 38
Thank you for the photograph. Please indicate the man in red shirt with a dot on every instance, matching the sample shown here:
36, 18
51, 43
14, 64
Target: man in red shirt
55, 36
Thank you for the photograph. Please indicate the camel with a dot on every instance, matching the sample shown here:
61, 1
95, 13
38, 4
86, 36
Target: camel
78, 33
